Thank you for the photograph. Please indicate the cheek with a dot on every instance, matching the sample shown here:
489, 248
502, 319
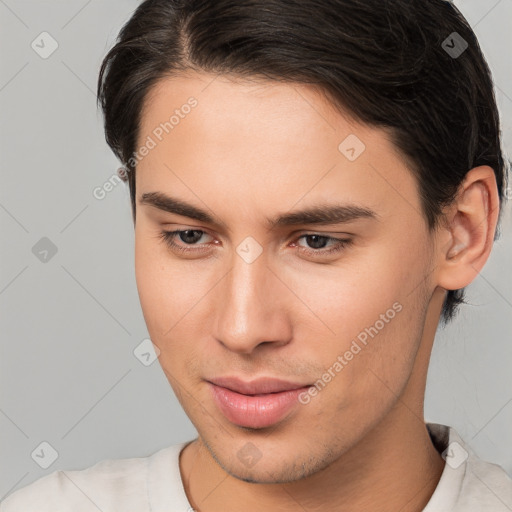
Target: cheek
350, 295
167, 289
153, 289
369, 311
171, 294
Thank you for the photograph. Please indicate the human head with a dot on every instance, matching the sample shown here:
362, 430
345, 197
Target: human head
382, 62
268, 101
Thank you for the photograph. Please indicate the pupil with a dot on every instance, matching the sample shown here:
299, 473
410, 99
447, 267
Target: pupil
186, 234
316, 244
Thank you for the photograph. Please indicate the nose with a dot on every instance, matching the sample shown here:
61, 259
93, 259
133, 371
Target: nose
251, 307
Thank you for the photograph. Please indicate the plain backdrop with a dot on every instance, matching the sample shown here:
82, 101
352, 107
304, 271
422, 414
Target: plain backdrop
70, 319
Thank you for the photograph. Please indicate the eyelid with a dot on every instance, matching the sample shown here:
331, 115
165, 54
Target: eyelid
296, 234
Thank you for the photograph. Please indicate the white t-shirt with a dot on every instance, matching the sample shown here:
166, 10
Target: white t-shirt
153, 484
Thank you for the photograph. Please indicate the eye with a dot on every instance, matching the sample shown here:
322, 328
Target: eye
319, 241
190, 237
187, 236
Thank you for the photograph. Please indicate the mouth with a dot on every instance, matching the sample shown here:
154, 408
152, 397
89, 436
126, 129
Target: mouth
257, 404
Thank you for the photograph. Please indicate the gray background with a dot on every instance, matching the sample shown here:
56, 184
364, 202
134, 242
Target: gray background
68, 374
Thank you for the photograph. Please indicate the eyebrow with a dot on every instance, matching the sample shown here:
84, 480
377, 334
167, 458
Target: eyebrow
319, 214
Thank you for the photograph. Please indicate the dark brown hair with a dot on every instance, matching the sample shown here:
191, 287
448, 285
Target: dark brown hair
387, 63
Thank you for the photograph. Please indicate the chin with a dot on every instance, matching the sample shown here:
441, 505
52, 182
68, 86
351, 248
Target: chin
276, 470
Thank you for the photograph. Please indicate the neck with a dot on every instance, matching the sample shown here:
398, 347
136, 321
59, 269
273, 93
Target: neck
362, 479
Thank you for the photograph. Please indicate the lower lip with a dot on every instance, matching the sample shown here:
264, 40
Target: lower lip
255, 411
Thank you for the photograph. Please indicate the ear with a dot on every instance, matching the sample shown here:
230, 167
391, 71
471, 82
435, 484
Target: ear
469, 229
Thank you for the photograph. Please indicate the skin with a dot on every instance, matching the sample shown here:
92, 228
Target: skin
252, 150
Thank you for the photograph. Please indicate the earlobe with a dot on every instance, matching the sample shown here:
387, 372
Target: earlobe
470, 227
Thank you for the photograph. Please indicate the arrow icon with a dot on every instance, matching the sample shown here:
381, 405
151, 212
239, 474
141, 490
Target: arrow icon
351, 147
454, 45
249, 249
249, 454
44, 250
44, 45
146, 352
44, 455
455, 455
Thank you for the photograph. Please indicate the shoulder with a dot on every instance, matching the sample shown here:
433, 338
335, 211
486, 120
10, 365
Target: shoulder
468, 483
111, 484
486, 486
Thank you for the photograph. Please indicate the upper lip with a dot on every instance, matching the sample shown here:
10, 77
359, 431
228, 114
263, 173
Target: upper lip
257, 386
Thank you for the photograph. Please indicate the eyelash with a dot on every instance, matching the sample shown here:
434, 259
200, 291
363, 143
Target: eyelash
169, 236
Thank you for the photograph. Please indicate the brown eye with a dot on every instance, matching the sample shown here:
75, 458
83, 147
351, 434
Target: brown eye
317, 242
188, 237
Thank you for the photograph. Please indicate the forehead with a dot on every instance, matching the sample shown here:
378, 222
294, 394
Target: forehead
281, 141
251, 110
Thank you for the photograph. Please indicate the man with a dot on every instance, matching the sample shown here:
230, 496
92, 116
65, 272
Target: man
310, 198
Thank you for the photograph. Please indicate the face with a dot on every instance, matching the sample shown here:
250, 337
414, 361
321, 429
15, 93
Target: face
277, 330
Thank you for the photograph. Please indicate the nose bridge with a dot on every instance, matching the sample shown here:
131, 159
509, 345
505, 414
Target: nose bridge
248, 313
